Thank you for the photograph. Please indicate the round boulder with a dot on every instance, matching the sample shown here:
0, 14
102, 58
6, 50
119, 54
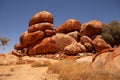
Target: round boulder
99, 44
27, 39
91, 28
69, 26
41, 17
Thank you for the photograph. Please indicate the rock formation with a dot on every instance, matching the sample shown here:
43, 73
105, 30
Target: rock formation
40, 27
70, 37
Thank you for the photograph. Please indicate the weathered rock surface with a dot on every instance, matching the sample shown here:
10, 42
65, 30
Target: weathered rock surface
41, 17
41, 26
87, 42
52, 44
49, 33
84, 59
91, 28
69, 26
109, 60
99, 44
74, 35
89, 47
74, 48
8, 59
26, 39
85, 39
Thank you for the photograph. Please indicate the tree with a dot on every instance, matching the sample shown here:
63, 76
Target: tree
108, 38
4, 41
111, 33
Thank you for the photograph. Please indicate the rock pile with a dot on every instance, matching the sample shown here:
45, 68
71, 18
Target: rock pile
70, 37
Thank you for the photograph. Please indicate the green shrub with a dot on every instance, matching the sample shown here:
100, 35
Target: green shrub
111, 33
108, 38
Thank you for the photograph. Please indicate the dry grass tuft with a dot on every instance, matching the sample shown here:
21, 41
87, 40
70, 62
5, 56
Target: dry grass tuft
70, 70
40, 64
56, 68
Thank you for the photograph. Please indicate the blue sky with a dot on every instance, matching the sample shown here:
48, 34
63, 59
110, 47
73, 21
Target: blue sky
15, 14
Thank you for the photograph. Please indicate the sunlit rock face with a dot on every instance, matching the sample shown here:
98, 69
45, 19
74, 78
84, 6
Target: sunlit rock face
99, 44
41, 17
52, 44
69, 26
108, 59
91, 28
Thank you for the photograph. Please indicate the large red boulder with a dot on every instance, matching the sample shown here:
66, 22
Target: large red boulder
26, 39
41, 17
99, 44
40, 26
69, 26
91, 28
51, 44
109, 60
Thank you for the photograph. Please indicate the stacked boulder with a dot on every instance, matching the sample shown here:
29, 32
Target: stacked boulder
70, 37
40, 26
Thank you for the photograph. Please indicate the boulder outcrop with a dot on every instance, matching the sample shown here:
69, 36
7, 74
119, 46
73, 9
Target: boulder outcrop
40, 27
71, 37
